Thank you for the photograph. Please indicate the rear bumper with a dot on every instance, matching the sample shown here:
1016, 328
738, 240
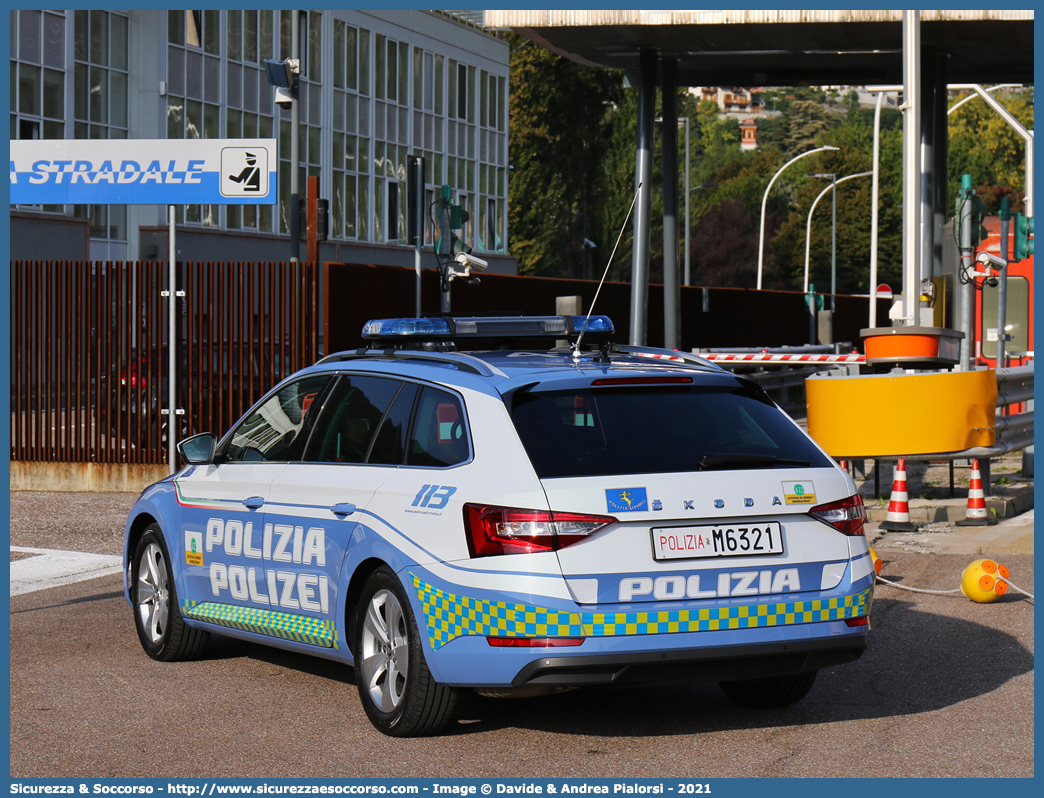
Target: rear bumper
691, 665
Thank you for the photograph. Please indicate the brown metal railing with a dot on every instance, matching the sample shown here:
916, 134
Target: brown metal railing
89, 371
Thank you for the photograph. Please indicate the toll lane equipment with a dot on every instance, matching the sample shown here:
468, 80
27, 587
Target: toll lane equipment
885, 415
898, 518
765, 357
976, 514
980, 581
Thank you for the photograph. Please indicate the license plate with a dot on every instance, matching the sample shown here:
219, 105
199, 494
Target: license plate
725, 540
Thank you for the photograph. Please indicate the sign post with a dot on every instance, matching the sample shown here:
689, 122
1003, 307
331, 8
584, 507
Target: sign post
147, 172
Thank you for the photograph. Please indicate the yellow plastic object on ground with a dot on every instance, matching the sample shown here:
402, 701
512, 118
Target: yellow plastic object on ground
979, 581
889, 415
878, 564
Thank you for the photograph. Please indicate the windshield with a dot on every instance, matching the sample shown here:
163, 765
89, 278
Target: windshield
645, 430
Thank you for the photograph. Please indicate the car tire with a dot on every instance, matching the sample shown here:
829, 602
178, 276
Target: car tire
157, 614
398, 692
770, 692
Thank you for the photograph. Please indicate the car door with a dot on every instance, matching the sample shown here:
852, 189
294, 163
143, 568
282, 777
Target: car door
313, 505
222, 524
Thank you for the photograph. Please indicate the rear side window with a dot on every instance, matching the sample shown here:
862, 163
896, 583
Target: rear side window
350, 419
599, 432
276, 430
439, 437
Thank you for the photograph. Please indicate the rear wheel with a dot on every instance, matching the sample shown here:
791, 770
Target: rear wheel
396, 688
770, 692
157, 617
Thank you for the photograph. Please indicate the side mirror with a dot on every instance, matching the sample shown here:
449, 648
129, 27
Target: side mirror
198, 450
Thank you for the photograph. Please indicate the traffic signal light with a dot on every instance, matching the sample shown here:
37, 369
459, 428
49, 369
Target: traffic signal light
452, 217
966, 200
1023, 236
322, 219
979, 211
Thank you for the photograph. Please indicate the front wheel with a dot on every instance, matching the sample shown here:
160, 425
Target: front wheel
157, 617
770, 692
396, 688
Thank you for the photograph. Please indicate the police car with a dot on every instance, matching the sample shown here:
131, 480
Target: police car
519, 520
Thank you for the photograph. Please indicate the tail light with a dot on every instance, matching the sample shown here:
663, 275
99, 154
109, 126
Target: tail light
534, 642
510, 530
847, 515
862, 620
133, 377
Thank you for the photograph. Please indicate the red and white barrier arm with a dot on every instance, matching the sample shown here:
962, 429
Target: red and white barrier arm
765, 357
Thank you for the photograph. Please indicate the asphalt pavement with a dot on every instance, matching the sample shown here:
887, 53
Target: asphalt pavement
944, 689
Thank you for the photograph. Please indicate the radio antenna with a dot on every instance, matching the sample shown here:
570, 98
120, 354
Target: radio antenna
579, 338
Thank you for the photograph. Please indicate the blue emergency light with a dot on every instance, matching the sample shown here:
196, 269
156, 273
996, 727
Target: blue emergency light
450, 327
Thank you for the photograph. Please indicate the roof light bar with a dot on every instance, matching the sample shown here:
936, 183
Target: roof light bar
485, 327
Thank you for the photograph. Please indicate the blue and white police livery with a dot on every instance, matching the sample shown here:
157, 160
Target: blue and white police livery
511, 520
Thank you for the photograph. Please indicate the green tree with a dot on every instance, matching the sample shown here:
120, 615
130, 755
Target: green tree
855, 142
806, 122
984, 146
560, 133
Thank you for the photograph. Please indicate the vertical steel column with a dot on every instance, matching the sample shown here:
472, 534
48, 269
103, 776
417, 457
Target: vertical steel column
966, 292
940, 151
295, 145
671, 287
874, 205
172, 347
911, 162
926, 113
688, 217
643, 213
1002, 291
833, 248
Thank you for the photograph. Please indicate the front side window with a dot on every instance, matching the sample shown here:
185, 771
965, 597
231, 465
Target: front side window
439, 437
275, 431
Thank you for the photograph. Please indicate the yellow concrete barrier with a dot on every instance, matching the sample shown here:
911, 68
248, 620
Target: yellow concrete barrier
890, 415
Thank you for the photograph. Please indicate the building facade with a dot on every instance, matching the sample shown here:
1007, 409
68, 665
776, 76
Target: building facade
375, 87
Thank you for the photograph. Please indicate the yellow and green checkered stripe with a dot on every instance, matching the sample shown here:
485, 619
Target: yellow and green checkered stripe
449, 616
266, 622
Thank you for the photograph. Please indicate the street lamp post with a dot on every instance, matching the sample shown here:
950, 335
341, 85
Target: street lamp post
833, 234
808, 227
764, 202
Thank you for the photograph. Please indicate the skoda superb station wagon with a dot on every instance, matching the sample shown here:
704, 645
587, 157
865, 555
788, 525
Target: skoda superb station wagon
516, 521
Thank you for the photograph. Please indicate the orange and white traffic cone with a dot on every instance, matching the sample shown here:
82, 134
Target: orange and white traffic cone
898, 518
976, 514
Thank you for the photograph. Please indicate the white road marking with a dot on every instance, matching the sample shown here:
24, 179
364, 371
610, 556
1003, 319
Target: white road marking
52, 568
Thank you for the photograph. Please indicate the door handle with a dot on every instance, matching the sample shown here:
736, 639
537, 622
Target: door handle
343, 508
254, 502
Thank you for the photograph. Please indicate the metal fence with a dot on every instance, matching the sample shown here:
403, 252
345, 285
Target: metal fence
89, 351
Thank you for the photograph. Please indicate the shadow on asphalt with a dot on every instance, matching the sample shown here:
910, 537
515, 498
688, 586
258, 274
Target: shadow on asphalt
82, 600
916, 661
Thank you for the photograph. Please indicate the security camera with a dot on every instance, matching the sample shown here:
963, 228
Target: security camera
283, 96
471, 262
987, 259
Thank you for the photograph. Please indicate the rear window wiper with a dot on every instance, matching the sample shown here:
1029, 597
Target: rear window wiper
710, 462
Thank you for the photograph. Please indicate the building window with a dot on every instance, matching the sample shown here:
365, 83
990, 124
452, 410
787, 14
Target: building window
194, 89
100, 102
310, 93
248, 100
38, 78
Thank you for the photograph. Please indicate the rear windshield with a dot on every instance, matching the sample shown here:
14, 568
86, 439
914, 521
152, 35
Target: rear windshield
646, 430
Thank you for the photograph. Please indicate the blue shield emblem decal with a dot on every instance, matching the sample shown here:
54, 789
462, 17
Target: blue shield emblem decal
626, 500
